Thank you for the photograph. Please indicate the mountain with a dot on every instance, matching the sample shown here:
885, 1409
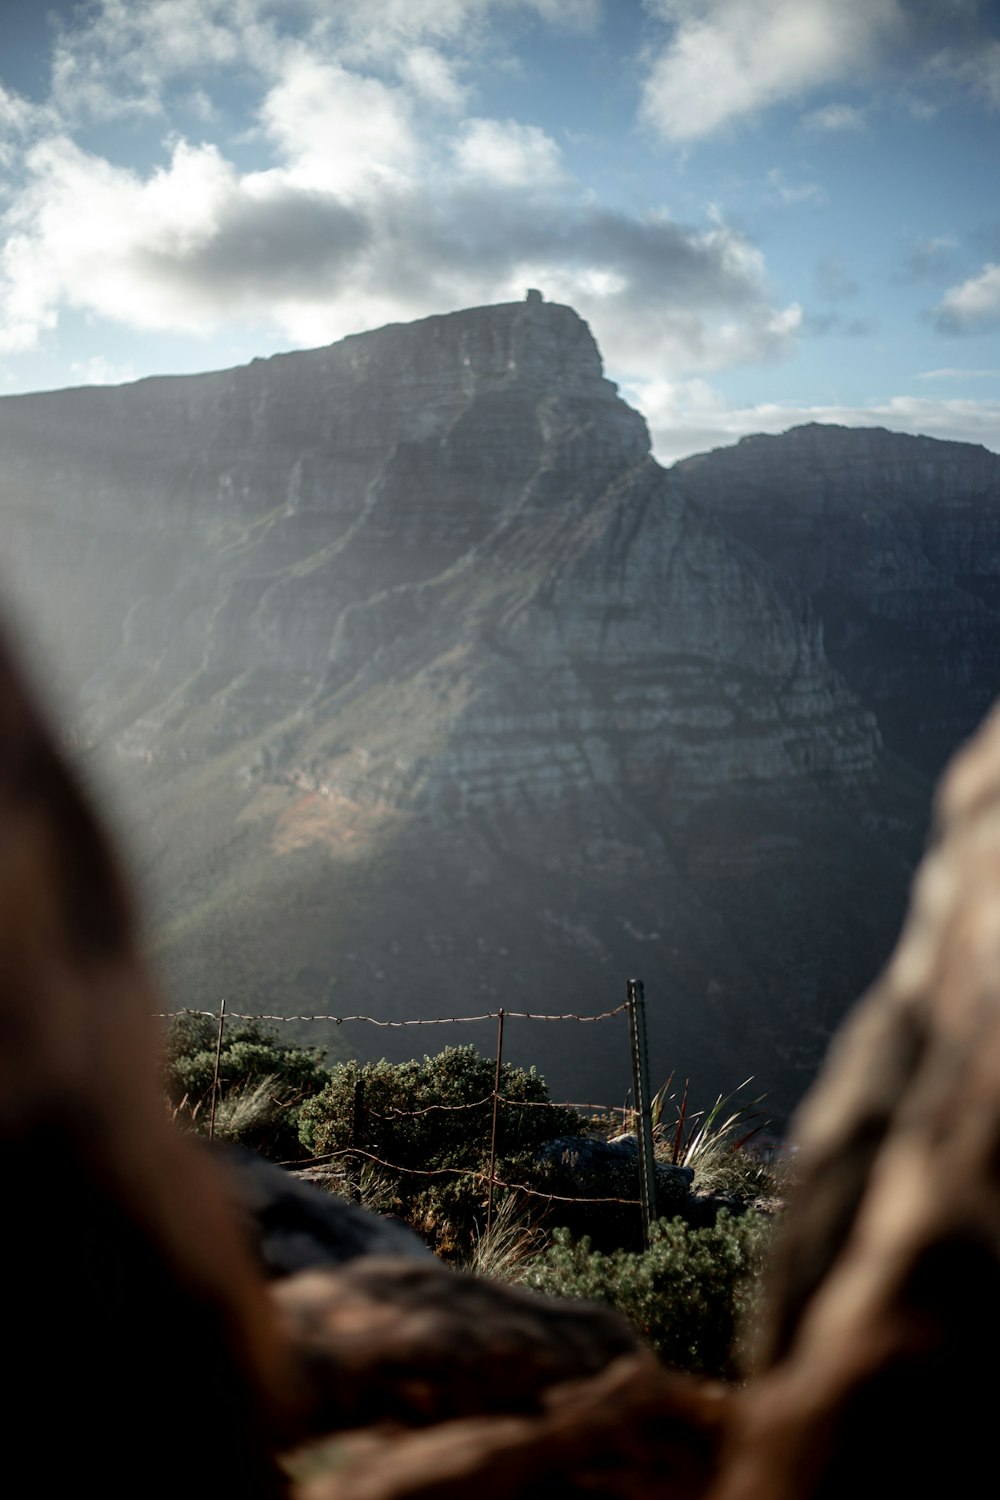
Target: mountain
423, 689
896, 540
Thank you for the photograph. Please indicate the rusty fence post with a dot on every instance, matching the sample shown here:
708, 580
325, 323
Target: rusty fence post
636, 1002
215, 1073
357, 1134
493, 1132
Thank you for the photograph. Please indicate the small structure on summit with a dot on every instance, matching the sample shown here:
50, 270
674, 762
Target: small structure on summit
533, 295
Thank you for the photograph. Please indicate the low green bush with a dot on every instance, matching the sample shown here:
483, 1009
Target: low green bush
691, 1294
262, 1081
436, 1114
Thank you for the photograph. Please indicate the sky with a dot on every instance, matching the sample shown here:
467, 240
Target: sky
769, 211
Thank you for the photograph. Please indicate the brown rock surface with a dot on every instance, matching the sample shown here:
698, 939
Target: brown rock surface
635, 1431
140, 1347
877, 1360
386, 1339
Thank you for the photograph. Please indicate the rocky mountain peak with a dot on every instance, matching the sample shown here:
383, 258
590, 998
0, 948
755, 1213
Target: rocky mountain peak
539, 343
429, 688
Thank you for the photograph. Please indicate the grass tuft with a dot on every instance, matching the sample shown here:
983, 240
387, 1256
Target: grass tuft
505, 1250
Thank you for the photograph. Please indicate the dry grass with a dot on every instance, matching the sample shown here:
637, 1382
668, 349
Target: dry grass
504, 1251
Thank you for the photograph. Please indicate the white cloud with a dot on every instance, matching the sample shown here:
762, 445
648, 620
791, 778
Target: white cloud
976, 70
354, 230
339, 131
365, 211
432, 77
573, 15
835, 117
833, 279
930, 259
794, 192
101, 371
19, 116
120, 57
83, 227
187, 247
408, 20
953, 374
657, 294
20, 120
361, 218
640, 336
727, 59
974, 305
508, 154
691, 416
920, 109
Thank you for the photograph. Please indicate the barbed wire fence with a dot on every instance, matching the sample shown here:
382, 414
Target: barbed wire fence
633, 1006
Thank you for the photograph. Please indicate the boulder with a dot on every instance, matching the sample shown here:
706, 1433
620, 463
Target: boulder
295, 1225
387, 1340
885, 1299
582, 1167
143, 1353
633, 1432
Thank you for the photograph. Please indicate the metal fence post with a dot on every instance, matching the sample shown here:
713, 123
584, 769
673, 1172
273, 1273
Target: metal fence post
215, 1073
493, 1133
635, 1000
357, 1131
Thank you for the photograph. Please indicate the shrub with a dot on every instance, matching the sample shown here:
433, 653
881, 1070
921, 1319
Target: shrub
713, 1145
262, 1081
436, 1114
690, 1295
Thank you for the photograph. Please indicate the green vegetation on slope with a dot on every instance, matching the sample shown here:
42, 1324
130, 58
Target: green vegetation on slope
691, 1294
435, 1116
263, 1081
413, 1139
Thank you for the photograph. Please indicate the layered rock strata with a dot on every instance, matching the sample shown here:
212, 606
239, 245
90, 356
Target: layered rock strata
896, 541
427, 691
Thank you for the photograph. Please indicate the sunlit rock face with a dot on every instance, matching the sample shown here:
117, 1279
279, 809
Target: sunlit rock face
426, 691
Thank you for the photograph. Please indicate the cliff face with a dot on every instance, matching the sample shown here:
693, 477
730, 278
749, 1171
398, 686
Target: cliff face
896, 540
263, 502
427, 690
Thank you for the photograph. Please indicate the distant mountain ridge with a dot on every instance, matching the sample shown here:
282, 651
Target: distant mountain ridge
426, 689
896, 540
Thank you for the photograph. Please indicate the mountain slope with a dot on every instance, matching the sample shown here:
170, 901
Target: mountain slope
424, 690
896, 540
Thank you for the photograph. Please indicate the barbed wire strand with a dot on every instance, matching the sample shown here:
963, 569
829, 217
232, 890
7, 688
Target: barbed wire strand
431, 1109
428, 1109
607, 1109
491, 1015
518, 1187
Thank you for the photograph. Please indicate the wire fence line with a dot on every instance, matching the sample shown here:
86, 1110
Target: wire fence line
519, 1187
633, 1006
430, 1109
489, 1015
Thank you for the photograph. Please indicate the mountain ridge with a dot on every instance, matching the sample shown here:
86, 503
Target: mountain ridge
429, 684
